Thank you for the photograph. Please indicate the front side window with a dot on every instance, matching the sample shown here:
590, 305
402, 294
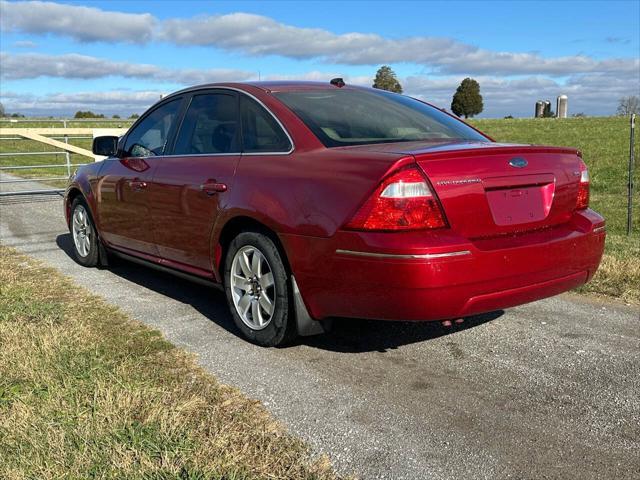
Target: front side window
357, 117
150, 136
209, 126
260, 131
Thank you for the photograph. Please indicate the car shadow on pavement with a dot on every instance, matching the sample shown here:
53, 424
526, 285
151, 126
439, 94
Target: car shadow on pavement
208, 301
351, 335
347, 335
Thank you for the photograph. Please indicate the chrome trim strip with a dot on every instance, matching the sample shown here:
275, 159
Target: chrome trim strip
425, 256
190, 155
599, 229
230, 154
163, 268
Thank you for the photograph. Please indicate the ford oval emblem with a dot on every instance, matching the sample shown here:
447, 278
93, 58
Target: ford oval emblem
518, 162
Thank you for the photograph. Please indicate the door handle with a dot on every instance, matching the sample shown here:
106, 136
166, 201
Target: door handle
211, 187
137, 184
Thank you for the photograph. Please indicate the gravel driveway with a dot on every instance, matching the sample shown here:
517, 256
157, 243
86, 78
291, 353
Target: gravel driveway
546, 390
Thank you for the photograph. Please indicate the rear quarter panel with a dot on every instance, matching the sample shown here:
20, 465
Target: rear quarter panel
305, 193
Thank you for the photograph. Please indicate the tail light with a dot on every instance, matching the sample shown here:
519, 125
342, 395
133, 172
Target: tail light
583, 188
402, 201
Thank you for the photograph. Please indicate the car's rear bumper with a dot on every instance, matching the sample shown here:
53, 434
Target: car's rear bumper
434, 275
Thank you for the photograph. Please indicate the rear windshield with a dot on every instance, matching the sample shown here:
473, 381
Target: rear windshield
356, 117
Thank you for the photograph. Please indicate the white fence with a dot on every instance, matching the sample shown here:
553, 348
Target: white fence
56, 137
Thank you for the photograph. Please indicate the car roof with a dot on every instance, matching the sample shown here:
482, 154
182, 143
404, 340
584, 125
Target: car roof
268, 86
288, 85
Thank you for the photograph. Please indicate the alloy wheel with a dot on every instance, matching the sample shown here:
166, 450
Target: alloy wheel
253, 287
82, 231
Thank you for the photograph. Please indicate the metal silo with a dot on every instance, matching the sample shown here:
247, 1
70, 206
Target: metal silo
539, 109
562, 106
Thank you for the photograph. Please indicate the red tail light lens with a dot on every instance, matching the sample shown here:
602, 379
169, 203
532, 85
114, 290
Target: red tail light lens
583, 188
403, 201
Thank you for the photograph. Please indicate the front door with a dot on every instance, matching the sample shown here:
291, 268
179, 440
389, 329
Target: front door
123, 186
190, 186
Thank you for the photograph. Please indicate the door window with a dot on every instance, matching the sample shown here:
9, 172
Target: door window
210, 126
150, 136
260, 131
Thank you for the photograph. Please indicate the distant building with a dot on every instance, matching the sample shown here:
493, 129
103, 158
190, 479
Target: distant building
562, 106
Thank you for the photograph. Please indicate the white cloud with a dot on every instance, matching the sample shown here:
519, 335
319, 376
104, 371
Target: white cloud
320, 76
86, 24
516, 97
510, 82
623, 40
111, 102
25, 44
34, 65
259, 35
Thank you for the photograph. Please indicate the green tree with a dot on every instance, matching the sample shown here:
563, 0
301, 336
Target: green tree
2, 112
116, 116
87, 114
134, 115
386, 80
467, 100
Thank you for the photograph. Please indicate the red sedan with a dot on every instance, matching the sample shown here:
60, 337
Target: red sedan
310, 201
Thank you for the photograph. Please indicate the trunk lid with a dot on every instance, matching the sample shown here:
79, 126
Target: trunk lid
490, 189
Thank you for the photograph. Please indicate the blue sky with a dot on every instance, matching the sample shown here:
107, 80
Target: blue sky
117, 57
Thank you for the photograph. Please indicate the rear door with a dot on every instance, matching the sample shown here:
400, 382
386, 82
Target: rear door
123, 187
190, 186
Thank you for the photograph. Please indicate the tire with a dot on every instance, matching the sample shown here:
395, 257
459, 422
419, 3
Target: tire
257, 289
84, 234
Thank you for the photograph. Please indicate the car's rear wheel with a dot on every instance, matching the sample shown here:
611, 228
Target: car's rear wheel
83, 232
256, 284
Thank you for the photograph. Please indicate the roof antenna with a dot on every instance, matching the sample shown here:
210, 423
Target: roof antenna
338, 82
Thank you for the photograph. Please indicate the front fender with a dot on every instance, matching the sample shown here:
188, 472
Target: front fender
82, 182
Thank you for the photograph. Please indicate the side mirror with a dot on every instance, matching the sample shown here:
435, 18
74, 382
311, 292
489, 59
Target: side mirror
106, 146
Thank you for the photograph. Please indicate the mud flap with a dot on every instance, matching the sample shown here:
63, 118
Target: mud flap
103, 256
306, 325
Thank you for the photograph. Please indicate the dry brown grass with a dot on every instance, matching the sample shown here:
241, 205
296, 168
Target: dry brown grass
87, 393
619, 274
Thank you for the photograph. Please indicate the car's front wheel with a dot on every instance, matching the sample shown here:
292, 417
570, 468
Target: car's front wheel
257, 290
83, 232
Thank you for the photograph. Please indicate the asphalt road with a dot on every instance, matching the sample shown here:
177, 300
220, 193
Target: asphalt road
546, 390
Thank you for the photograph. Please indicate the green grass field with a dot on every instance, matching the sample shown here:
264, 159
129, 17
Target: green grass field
604, 142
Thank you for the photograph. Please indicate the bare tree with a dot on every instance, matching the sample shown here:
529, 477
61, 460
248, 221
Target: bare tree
629, 105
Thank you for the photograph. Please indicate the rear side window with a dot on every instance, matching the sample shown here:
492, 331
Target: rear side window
150, 136
260, 131
209, 126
